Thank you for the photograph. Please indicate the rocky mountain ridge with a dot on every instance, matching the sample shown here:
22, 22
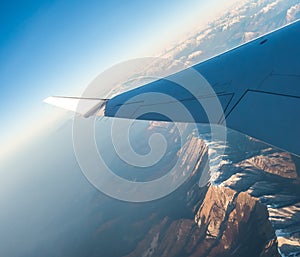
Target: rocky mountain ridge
224, 222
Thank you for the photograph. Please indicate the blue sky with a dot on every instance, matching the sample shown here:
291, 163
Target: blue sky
58, 47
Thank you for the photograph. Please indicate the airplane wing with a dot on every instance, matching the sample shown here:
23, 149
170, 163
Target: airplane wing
257, 85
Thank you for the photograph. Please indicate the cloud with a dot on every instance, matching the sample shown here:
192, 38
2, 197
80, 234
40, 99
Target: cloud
203, 35
230, 22
248, 36
291, 13
194, 55
241, 23
269, 7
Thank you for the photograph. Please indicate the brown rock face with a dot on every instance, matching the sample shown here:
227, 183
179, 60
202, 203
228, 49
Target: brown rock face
217, 204
237, 223
274, 162
227, 224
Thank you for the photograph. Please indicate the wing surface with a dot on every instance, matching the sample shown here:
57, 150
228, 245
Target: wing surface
256, 84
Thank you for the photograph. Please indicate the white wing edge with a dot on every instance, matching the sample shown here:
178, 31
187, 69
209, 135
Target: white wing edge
82, 106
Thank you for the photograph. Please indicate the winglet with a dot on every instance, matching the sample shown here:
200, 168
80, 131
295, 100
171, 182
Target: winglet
84, 106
